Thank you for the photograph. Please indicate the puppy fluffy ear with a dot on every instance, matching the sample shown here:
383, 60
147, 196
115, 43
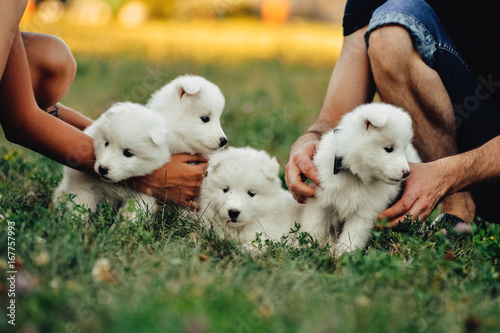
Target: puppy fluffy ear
187, 86
112, 113
158, 135
117, 107
375, 119
271, 169
215, 162
118, 111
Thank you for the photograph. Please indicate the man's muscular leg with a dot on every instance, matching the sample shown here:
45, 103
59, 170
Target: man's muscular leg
403, 79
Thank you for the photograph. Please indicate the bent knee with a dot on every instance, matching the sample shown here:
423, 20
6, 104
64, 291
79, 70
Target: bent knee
59, 61
49, 53
390, 48
52, 66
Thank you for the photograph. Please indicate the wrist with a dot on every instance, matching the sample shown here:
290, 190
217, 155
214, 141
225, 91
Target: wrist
315, 133
452, 174
307, 138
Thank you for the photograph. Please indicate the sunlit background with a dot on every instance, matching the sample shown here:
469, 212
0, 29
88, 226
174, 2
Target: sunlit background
295, 31
272, 59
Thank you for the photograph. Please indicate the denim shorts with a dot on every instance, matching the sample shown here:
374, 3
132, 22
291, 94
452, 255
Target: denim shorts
477, 115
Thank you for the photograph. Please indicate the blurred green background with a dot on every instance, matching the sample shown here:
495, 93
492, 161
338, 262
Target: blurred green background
272, 59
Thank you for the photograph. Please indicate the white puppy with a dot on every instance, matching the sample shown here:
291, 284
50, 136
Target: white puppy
361, 165
129, 141
242, 196
193, 107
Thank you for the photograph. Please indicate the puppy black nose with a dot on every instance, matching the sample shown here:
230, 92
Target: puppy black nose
222, 142
103, 170
233, 214
406, 174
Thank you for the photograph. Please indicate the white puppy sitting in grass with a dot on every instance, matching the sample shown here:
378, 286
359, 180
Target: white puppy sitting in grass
361, 166
242, 196
129, 141
193, 106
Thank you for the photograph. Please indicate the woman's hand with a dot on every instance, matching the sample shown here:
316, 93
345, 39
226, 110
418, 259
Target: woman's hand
177, 181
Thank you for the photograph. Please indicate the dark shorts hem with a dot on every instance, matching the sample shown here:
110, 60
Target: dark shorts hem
424, 42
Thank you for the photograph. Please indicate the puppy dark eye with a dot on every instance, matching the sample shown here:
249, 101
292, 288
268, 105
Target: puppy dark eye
106, 144
389, 149
251, 194
205, 119
128, 153
225, 189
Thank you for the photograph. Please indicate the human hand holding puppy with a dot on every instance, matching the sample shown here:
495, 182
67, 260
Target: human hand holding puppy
419, 198
178, 180
300, 167
427, 185
430, 182
424, 189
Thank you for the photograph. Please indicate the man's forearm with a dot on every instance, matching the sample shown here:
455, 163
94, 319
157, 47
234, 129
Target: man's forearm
350, 85
475, 167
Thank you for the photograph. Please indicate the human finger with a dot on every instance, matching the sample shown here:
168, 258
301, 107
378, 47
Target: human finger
296, 185
199, 168
308, 169
397, 212
304, 162
418, 211
392, 213
182, 197
191, 204
302, 192
197, 158
189, 158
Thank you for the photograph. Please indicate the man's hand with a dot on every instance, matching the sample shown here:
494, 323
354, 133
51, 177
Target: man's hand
424, 189
178, 180
300, 167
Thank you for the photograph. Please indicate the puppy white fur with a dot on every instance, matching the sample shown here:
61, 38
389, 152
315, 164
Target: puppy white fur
361, 165
242, 196
129, 141
193, 107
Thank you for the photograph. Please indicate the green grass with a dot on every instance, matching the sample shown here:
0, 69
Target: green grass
167, 274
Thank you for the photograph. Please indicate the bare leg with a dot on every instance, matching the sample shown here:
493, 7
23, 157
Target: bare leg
12, 11
403, 79
52, 69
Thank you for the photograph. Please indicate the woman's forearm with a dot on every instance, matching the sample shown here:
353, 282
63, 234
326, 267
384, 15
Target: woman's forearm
25, 124
10, 16
70, 116
57, 140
